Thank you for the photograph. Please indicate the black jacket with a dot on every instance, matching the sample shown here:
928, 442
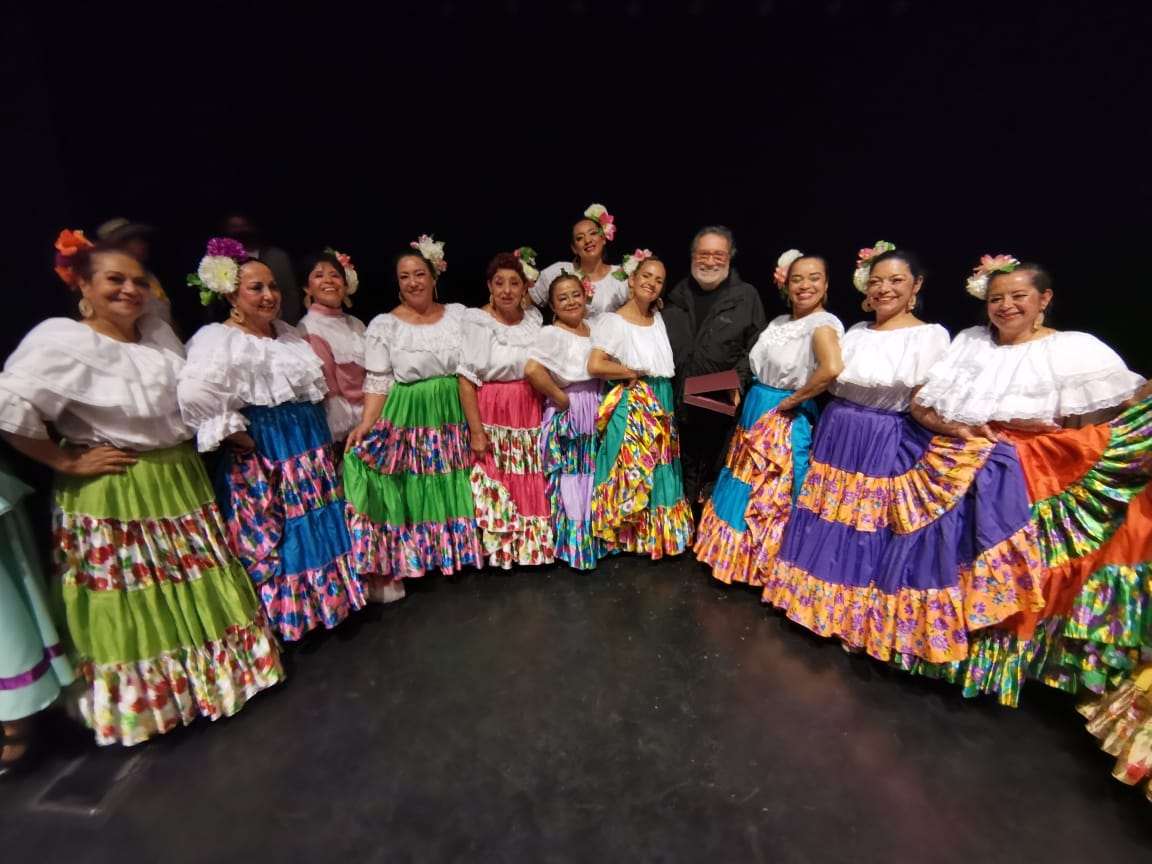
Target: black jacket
726, 336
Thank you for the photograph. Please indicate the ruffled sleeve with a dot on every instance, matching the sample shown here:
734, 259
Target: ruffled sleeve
550, 349
477, 346
228, 370
378, 377
1060, 376
63, 363
608, 335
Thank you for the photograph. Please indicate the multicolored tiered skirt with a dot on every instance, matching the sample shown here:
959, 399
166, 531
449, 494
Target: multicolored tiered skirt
285, 514
638, 502
568, 443
508, 483
902, 542
163, 617
33, 663
743, 522
410, 506
1094, 529
1122, 721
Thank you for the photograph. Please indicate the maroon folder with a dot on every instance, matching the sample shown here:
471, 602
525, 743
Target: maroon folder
719, 382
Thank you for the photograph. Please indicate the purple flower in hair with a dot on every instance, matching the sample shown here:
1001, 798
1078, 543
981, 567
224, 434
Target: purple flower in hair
226, 247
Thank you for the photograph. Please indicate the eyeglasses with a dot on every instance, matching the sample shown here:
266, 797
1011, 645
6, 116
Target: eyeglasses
711, 256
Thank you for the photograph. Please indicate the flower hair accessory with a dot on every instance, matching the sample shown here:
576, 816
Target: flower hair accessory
631, 263
864, 268
782, 264
978, 282
219, 269
67, 245
599, 214
351, 278
432, 250
527, 256
582, 277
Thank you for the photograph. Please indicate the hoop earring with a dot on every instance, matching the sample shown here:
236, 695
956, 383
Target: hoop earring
866, 305
912, 303
307, 301
85, 307
237, 315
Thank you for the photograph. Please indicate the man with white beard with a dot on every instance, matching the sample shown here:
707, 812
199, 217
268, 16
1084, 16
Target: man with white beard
713, 318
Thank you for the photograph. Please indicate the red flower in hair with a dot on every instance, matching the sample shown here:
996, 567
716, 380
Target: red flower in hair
67, 245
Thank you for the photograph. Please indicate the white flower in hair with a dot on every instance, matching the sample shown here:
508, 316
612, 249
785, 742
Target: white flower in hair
864, 268
218, 273
432, 250
351, 277
631, 263
977, 284
527, 256
783, 263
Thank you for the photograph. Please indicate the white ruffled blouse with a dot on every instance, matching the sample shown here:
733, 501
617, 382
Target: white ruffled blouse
563, 353
495, 351
228, 369
782, 357
344, 334
882, 368
608, 293
644, 350
1066, 374
397, 351
93, 389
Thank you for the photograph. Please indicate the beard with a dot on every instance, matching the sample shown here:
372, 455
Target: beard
709, 276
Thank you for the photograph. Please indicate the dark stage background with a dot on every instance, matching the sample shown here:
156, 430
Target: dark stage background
954, 129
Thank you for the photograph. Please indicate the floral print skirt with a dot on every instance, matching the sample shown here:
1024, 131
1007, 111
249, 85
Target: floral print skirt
743, 522
164, 621
902, 542
285, 513
639, 504
410, 506
508, 482
1093, 511
568, 444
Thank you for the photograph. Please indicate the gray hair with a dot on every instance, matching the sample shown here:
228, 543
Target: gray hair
720, 231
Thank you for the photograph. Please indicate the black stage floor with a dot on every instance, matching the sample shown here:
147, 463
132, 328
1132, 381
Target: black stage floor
642, 713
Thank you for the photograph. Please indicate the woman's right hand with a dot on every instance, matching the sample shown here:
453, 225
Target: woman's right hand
356, 436
241, 443
982, 431
562, 403
479, 443
95, 461
630, 381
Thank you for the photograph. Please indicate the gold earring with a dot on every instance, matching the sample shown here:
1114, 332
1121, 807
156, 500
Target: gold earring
866, 305
912, 303
307, 301
236, 315
85, 306
1038, 323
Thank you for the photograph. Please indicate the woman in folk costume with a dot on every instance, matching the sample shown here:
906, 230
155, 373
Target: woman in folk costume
163, 619
607, 283
253, 385
1047, 395
406, 469
330, 280
638, 503
558, 368
504, 415
793, 361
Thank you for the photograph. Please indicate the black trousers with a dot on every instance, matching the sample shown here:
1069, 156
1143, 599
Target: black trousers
704, 439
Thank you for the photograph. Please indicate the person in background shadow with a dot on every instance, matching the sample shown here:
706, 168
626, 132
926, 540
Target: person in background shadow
241, 227
713, 318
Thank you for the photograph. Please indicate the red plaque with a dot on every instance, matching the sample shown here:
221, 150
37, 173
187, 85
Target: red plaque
719, 382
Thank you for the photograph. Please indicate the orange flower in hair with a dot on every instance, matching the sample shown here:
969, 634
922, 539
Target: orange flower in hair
67, 245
